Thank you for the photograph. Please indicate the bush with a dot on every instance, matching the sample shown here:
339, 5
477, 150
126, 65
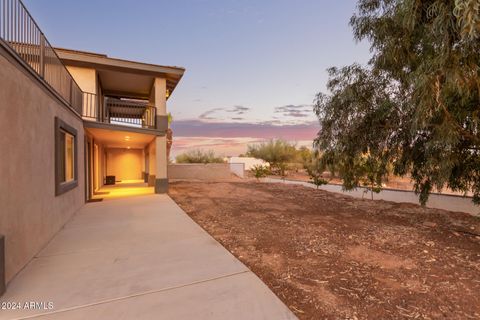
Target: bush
276, 152
198, 156
315, 168
260, 171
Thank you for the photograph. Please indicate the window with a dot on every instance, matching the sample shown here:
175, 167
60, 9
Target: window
65, 157
69, 161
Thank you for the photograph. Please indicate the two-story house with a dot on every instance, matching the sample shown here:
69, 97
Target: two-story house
70, 121
124, 111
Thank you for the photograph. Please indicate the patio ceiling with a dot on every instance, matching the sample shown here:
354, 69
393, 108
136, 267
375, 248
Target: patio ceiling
121, 139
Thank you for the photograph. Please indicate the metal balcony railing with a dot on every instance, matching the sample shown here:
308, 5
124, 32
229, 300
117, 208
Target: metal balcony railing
118, 111
19, 31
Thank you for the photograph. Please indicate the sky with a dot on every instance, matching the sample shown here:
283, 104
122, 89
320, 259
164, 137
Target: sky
253, 67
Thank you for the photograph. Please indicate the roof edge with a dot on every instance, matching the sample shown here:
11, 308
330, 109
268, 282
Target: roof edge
71, 52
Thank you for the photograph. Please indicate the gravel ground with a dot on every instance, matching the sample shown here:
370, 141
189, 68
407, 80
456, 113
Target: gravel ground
330, 256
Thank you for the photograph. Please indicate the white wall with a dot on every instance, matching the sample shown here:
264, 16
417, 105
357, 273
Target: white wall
437, 201
238, 169
248, 162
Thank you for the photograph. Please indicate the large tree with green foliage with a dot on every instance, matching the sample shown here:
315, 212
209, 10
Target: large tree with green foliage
416, 105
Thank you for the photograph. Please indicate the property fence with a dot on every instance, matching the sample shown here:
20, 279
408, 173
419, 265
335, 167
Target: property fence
20, 33
207, 171
436, 200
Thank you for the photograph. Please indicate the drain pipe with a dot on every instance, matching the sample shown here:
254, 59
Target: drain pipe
2, 264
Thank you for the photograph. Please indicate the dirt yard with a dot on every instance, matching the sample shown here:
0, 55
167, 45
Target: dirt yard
330, 256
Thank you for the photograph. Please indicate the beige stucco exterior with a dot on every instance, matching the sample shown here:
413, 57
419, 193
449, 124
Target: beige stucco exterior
158, 95
161, 157
159, 98
124, 164
86, 78
30, 212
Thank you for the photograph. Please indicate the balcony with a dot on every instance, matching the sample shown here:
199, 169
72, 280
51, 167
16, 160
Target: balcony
125, 86
20, 34
128, 112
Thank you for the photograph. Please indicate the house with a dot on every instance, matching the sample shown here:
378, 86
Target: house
70, 121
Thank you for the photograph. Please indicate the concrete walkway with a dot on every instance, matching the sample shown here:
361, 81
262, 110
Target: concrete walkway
139, 258
437, 201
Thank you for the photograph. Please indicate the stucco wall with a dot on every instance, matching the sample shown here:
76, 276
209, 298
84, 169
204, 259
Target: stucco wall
85, 78
200, 171
249, 162
124, 164
237, 169
30, 213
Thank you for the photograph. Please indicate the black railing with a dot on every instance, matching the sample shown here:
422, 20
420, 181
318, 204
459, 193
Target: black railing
130, 112
20, 32
118, 111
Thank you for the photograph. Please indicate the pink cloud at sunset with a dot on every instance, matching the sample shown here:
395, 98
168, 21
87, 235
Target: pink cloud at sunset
231, 139
263, 130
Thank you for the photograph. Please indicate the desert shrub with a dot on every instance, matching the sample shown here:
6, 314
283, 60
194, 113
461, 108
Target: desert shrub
198, 156
260, 171
276, 152
304, 155
315, 168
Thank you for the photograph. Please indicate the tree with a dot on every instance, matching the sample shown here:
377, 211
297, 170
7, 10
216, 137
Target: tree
416, 105
372, 181
198, 156
315, 168
278, 153
304, 155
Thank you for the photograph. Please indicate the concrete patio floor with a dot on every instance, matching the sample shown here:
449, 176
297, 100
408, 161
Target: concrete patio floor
139, 258
128, 188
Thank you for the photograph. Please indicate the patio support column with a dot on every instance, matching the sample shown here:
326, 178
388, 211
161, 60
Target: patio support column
161, 180
158, 97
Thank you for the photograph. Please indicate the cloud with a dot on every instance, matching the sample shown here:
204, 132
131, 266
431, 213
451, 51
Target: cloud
236, 110
296, 111
239, 110
206, 114
264, 130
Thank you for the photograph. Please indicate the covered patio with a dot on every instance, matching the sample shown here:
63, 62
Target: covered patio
120, 161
